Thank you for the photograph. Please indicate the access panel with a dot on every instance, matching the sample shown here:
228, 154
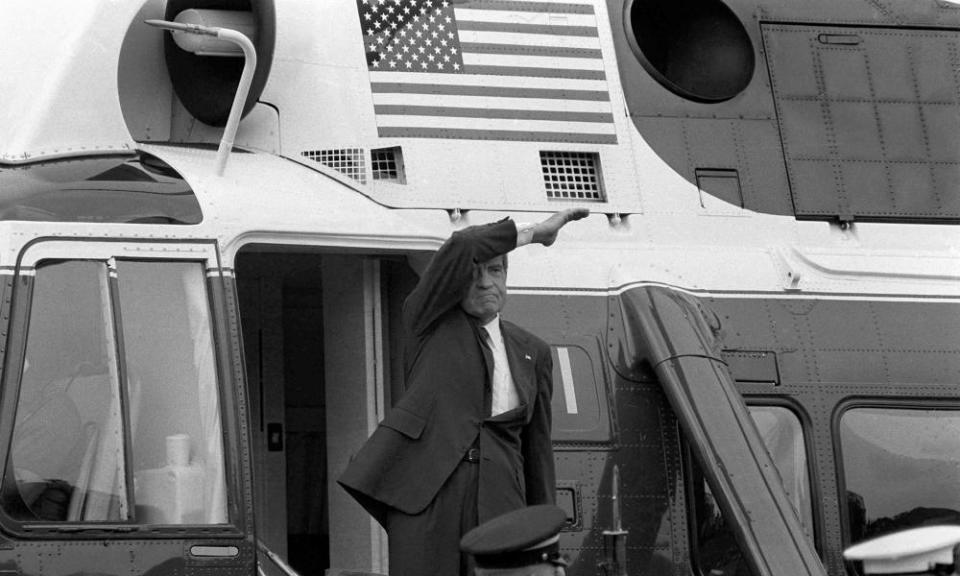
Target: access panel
869, 120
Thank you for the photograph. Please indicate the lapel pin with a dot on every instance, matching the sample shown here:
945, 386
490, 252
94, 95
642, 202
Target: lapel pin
527, 356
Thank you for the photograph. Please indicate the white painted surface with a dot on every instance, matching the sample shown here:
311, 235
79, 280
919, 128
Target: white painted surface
566, 376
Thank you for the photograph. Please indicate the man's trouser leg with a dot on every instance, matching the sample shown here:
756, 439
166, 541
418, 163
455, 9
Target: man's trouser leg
428, 543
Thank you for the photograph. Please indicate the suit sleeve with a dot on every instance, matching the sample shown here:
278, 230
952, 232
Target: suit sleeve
539, 473
450, 272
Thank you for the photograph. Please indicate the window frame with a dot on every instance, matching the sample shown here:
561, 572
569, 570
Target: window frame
844, 406
604, 436
813, 472
806, 428
17, 307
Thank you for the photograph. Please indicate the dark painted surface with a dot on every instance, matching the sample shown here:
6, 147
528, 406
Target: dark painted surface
851, 111
812, 355
830, 352
644, 444
678, 335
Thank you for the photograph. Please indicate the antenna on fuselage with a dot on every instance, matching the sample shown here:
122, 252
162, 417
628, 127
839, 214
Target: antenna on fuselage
206, 48
615, 541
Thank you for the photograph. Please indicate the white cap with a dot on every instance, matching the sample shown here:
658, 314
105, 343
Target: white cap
912, 551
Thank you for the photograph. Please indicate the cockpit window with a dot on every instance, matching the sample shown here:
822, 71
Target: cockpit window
93, 443
66, 460
177, 441
109, 189
901, 467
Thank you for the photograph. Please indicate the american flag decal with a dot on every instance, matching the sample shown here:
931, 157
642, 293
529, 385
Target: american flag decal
528, 70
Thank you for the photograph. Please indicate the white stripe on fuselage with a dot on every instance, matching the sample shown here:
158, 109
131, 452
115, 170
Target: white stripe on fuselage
605, 293
566, 375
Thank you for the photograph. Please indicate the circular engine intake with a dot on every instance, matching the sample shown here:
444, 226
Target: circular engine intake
206, 84
697, 49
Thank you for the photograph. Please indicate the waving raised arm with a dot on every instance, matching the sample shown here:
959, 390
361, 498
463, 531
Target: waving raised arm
450, 272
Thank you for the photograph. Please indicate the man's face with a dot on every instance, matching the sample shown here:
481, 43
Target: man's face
488, 291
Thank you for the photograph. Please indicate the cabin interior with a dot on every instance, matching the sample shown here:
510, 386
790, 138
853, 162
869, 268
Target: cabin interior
322, 361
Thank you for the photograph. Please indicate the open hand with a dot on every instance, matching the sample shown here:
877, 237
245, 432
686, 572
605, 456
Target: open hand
546, 232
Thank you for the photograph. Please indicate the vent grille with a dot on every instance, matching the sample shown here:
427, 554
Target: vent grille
386, 164
572, 176
347, 161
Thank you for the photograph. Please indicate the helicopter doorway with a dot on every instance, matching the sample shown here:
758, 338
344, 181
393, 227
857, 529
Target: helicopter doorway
321, 364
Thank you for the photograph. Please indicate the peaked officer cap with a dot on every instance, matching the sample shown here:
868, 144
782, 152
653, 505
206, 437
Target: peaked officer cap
523, 537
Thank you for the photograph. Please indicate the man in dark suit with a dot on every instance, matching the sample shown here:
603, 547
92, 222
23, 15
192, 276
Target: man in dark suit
470, 438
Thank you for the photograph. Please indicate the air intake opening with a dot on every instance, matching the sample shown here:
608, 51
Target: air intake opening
572, 176
697, 49
206, 85
347, 161
386, 165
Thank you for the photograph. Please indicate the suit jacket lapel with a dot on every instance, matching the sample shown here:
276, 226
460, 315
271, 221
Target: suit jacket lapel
522, 364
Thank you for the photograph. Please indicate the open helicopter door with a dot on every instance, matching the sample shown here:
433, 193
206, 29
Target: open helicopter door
322, 349
123, 411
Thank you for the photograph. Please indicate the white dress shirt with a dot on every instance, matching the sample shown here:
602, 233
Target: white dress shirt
503, 390
524, 233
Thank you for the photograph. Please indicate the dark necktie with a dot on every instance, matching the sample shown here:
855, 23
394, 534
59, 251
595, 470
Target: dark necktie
488, 355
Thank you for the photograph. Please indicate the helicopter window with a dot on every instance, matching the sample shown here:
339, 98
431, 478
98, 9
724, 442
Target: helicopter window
90, 446
175, 428
66, 458
579, 413
716, 551
901, 468
121, 189
782, 433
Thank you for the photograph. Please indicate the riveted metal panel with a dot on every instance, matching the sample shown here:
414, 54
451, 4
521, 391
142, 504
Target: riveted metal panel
831, 351
868, 119
652, 499
642, 442
240, 417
